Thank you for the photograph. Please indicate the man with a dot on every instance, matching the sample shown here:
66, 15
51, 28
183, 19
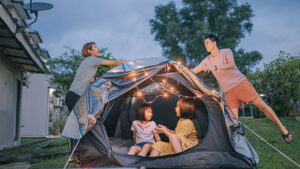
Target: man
234, 84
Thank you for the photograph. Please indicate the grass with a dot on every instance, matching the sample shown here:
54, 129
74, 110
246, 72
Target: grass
32, 153
29, 140
269, 158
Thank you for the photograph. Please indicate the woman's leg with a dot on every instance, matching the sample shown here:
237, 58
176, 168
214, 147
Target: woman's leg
134, 150
175, 143
154, 153
145, 150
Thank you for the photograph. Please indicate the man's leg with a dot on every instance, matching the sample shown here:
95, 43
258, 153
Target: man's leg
235, 115
269, 112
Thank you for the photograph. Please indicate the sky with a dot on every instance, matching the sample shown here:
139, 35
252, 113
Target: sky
123, 27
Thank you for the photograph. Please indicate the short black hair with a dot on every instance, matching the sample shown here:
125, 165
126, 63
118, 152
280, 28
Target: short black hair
213, 38
187, 108
140, 114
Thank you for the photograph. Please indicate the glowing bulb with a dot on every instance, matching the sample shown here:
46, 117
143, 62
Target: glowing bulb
165, 94
146, 73
164, 81
214, 91
178, 62
134, 79
172, 89
139, 93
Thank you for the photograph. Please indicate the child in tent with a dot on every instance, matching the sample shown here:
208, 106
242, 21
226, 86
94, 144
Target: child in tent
185, 134
144, 134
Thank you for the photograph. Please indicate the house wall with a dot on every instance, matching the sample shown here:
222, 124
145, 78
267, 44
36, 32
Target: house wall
9, 74
35, 107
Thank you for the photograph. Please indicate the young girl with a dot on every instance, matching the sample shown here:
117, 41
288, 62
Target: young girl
143, 131
85, 73
185, 134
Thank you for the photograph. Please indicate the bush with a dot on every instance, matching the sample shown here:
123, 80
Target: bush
279, 82
59, 124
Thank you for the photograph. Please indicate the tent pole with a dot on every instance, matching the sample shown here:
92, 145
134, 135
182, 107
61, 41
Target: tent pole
71, 154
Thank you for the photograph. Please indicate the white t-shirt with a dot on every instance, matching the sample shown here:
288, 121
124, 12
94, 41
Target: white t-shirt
84, 74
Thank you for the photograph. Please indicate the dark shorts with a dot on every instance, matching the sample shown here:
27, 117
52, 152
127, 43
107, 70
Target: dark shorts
71, 99
141, 144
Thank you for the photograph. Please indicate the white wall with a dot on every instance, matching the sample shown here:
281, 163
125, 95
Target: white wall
8, 102
35, 107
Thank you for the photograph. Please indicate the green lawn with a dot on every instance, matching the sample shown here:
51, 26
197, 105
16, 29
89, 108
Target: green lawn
269, 158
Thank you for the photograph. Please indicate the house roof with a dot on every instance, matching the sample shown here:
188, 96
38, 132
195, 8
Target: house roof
22, 48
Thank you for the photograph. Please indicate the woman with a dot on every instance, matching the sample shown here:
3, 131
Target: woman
85, 73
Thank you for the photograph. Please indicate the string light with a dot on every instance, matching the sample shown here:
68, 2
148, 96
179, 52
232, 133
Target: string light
163, 87
139, 93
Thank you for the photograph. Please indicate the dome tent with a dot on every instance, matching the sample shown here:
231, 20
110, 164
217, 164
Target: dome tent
222, 143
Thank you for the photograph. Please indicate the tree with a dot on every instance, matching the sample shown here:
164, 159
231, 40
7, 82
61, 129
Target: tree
63, 69
279, 82
181, 32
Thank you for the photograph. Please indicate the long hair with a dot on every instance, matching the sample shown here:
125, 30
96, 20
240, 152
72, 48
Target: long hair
85, 48
187, 108
140, 114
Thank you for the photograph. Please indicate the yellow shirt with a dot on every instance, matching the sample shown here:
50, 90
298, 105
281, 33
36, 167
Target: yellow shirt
187, 133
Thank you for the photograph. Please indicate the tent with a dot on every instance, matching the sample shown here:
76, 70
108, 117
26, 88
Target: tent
115, 97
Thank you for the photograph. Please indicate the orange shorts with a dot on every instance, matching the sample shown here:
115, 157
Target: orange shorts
243, 92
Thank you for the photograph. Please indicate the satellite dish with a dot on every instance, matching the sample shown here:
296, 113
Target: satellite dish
34, 7
37, 6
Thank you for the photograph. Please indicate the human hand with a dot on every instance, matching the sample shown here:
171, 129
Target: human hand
162, 126
91, 121
160, 130
209, 68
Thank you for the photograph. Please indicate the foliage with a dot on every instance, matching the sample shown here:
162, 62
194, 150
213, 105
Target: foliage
181, 32
279, 82
63, 69
59, 124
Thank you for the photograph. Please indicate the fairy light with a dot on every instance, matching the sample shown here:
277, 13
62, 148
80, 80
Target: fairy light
163, 87
139, 93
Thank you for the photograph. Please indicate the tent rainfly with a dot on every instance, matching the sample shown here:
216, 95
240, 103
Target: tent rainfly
114, 96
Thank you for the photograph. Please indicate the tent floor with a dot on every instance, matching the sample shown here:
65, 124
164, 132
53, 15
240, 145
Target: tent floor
120, 145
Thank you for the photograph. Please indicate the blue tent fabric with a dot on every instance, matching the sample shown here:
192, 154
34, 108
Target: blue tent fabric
119, 83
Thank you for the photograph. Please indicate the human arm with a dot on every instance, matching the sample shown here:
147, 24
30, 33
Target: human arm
134, 137
230, 64
112, 62
156, 136
163, 129
199, 68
